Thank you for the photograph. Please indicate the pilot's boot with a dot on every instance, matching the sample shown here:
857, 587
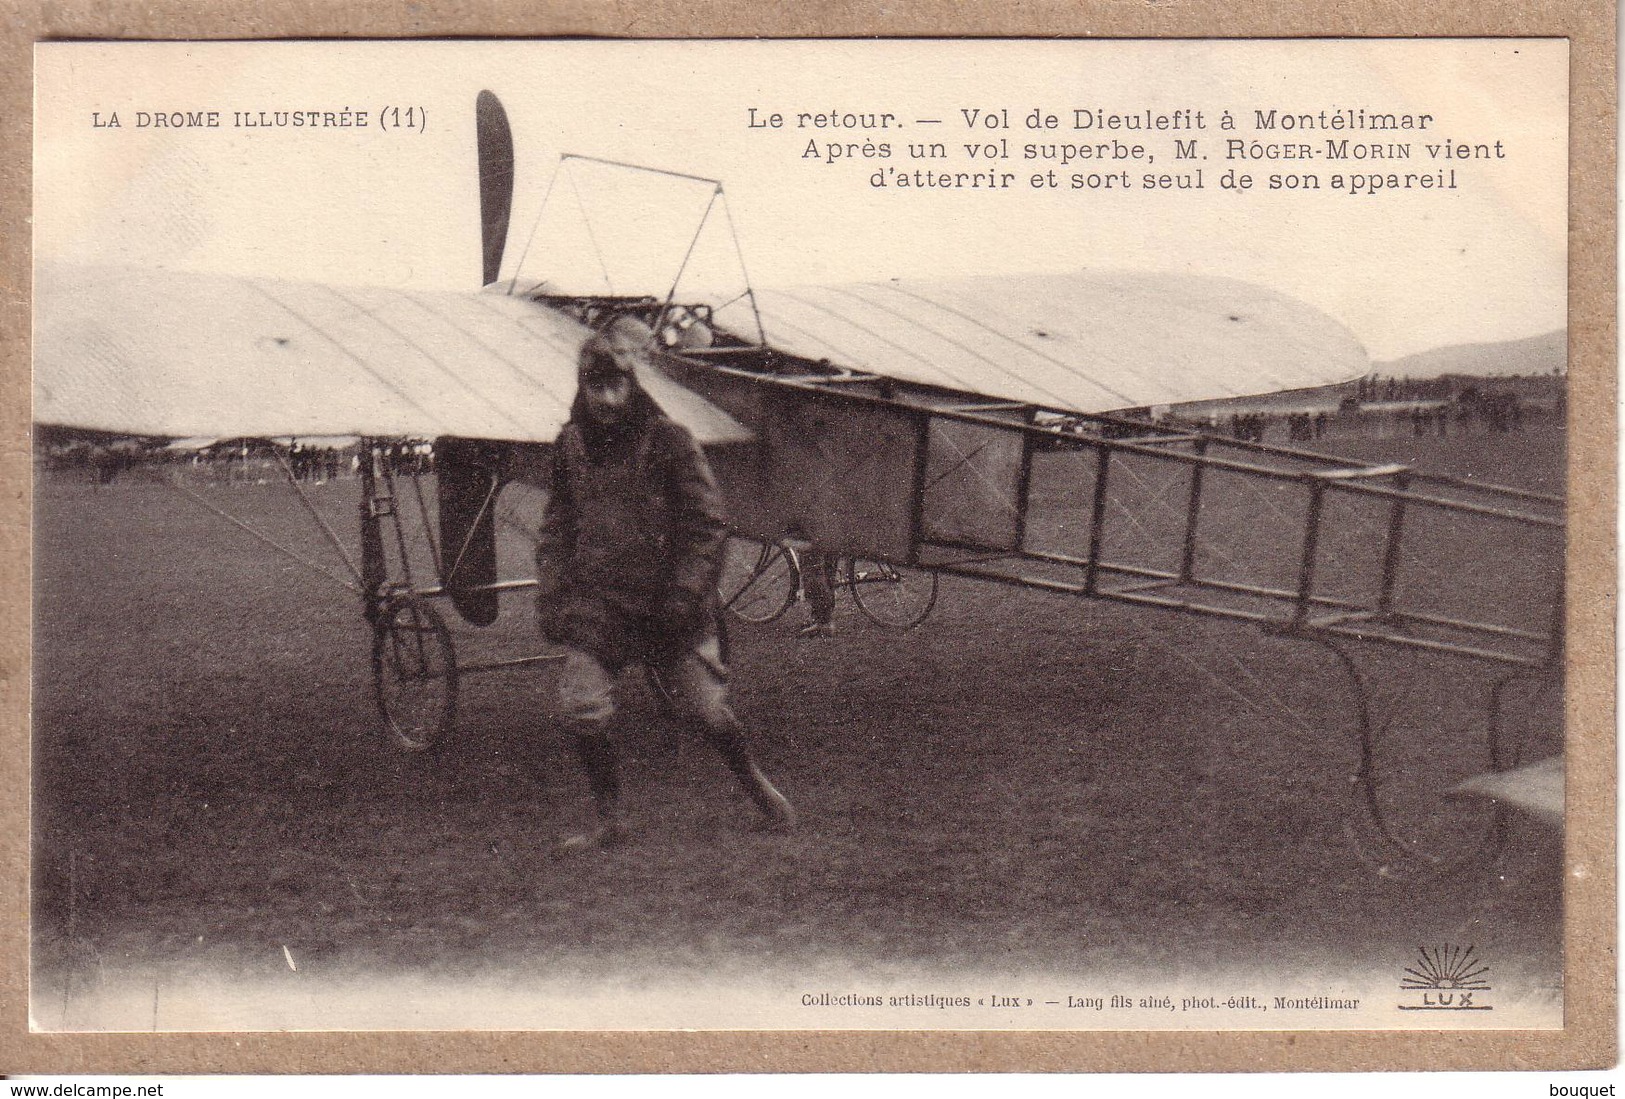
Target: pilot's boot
600, 762
776, 813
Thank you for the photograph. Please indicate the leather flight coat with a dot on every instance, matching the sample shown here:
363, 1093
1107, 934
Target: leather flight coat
631, 542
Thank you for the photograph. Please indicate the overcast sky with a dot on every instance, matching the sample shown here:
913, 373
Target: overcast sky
1405, 271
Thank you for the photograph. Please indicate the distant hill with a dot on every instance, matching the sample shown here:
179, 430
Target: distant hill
1535, 355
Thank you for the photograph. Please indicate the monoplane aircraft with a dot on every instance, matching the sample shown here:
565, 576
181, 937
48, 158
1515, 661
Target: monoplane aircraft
912, 422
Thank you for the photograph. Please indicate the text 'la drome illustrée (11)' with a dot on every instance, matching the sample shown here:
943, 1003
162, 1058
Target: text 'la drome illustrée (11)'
387, 116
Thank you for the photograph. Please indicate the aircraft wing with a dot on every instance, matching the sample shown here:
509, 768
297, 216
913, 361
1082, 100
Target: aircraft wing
156, 352
1086, 341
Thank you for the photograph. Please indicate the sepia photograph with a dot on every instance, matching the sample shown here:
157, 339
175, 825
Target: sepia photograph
800, 535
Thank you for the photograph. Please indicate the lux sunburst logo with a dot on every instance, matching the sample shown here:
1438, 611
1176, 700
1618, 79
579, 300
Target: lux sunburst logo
1448, 978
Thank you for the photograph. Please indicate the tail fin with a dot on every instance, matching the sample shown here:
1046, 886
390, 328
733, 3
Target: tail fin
495, 143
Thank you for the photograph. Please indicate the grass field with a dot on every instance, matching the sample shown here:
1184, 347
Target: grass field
1027, 783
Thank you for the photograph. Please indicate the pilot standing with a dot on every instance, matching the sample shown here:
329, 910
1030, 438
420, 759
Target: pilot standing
626, 567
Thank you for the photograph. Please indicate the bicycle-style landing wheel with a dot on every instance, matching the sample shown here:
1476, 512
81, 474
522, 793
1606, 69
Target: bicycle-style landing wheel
759, 580
414, 670
892, 596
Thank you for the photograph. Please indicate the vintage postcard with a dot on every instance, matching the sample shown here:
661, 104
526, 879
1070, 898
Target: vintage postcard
928, 535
